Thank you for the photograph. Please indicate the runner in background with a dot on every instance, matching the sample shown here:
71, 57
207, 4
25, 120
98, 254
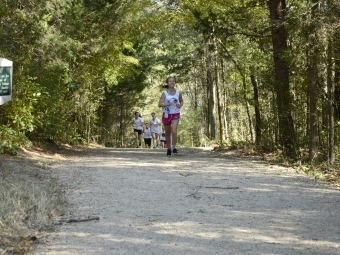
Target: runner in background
147, 136
138, 128
155, 123
162, 138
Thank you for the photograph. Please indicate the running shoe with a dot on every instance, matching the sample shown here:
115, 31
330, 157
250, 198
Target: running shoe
174, 151
168, 152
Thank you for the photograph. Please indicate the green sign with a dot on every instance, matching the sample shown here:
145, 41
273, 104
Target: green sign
5, 81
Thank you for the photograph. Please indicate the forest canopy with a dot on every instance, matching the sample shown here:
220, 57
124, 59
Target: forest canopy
265, 73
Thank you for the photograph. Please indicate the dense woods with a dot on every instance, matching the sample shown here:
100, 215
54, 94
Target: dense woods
251, 71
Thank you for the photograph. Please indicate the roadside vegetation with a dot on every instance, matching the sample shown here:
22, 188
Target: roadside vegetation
320, 171
28, 193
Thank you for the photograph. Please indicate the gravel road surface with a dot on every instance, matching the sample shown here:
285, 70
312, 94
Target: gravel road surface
197, 203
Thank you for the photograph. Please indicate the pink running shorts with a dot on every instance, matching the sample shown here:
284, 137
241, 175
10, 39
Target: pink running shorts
167, 121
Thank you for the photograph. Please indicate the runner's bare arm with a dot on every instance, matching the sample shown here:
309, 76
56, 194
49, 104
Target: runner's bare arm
180, 104
161, 102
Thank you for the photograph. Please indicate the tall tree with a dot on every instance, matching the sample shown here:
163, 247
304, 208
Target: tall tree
330, 102
312, 72
258, 121
277, 10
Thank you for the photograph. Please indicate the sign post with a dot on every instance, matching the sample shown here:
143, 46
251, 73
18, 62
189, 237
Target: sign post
6, 72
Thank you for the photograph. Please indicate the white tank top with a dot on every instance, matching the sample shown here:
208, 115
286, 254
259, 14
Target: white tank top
147, 133
171, 98
138, 123
154, 124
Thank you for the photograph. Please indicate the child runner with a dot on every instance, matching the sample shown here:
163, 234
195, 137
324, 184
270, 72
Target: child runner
162, 138
147, 136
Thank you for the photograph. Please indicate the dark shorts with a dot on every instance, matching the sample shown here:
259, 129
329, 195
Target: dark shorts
139, 131
173, 116
147, 141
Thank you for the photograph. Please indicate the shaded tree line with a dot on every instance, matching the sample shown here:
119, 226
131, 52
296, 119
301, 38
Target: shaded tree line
258, 72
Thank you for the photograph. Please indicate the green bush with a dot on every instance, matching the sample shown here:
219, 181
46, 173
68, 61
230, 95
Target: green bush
11, 140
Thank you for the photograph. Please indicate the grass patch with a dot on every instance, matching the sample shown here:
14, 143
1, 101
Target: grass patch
28, 193
322, 172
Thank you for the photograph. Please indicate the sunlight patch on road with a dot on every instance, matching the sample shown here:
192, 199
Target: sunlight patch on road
186, 229
277, 237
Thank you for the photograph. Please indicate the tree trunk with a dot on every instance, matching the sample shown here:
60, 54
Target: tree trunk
337, 77
330, 112
336, 85
219, 107
223, 102
121, 127
313, 111
250, 124
226, 114
258, 120
287, 139
211, 132
312, 85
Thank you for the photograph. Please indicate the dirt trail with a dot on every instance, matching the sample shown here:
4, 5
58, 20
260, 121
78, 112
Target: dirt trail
196, 203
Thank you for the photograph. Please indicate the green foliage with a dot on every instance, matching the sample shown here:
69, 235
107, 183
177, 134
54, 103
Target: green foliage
11, 141
77, 62
315, 172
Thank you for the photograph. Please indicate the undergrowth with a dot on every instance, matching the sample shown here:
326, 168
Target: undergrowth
319, 170
322, 172
27, 195
11, 140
